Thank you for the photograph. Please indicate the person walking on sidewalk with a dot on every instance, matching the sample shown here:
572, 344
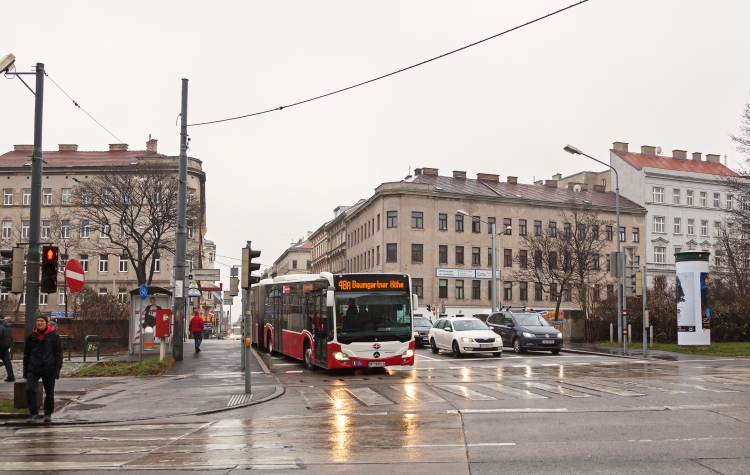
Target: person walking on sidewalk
42, 359
196, 326
5, 340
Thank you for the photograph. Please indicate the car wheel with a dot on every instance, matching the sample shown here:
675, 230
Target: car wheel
456, 350
308, 358
433, 346
497, 353
556, 351
517, 346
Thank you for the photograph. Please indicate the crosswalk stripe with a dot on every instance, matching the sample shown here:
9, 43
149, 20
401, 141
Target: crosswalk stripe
519, 393
419, 395
317, 398
557, 390
603, 388
368, 397
464, 392
653, 388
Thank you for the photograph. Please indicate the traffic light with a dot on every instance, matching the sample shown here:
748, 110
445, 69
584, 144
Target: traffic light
233, 284
13, 281
50, 259
248, 266
639, 283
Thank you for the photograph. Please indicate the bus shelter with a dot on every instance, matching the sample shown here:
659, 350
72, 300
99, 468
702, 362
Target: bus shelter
142, 326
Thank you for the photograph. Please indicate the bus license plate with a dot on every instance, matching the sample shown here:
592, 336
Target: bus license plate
548, 342
376, 364
489, 345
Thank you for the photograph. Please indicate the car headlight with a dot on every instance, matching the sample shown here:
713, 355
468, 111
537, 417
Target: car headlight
528, 335
559, 335
338, 355
416, 333
466, 339
498, 339
409, 353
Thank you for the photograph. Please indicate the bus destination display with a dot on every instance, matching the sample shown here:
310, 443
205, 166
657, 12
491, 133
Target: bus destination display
358, 283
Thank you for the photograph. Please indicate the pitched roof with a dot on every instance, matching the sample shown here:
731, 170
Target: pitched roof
639, 160
518, 191
118, 158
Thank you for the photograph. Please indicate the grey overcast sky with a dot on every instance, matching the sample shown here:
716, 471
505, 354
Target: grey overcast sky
648, 72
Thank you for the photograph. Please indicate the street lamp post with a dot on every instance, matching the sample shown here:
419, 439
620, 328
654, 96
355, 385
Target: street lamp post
620, 265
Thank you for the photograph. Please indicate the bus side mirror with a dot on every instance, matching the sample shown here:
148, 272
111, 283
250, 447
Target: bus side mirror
414, 302
330, 300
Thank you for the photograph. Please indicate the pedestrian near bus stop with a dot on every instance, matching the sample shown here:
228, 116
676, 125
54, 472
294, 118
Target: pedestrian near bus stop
42, 359
196, 326
5, 341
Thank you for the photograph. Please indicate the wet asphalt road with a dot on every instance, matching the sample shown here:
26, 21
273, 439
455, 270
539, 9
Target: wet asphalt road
531, 413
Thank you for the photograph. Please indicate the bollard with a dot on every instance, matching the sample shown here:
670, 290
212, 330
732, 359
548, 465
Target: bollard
651, 331
630, 335
611, 333
161, 350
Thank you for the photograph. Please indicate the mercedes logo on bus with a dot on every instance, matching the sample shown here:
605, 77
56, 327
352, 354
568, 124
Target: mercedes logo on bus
376, 354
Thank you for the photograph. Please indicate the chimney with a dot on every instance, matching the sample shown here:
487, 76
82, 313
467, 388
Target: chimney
118, 147
430, 171
151, 145
620, 147
513, 179
488, 177
697, 156
23, 148
712, 158
417, 171
67, 147
679, 154
551, 183
457, 174
557, 176
648, 150
600, 188
539, 183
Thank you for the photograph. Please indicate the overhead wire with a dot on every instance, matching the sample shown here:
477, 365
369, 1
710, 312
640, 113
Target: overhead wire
392, 73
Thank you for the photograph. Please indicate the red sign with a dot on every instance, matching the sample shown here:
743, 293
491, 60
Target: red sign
74, 276
163, 318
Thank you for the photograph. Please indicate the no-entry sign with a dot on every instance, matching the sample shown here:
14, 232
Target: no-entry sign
74, 276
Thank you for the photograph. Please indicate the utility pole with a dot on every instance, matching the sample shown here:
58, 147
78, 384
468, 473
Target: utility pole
33, 259
645, 314
180, 237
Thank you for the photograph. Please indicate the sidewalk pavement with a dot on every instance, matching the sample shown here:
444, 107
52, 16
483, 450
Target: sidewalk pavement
202, 383
592, 348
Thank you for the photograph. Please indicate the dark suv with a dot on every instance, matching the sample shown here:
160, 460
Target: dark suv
525, 331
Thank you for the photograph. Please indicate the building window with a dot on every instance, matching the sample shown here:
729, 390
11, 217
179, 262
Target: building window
190, 228
717, 228
523, 291
61, 296
677, 226
476, 258
459, 254
507, 257
85, 228
25, 229
537, 259
459, 223
391, 252
378, 221
729, 201
622, 234
595, 231
636, 235
442, 222
104, 231
522, 227
392, 219
67, 196
418, 287
582, 231
552, 230
26, 196
443, 288
102, 291
658, 195
703, 198
717, 200
8, 197
691, 227
294, 264
490, 222
417, 253
417, 220
489, 257
595, 262
566, 229
608, 233
103, 263
47, 196
45, 229
86, 197
676, 196
608, 263
552, 258
538, 291
567, 294
476, 225
476, 289
7, 229
523, 259
123, 264
677, 249
660, 254
507, 226
378, 255
459, 289
442, 254
122, 295
689, 197
610, 291
658, 224
84, 260
43, 299
704, 227
537, 228
507, 291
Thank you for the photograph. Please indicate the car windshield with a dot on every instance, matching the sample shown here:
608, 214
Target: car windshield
422, 322
465, 325
371, 316
531, 320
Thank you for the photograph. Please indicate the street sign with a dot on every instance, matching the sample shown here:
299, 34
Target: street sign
228, 301
209, 275
144, 291
56, 314
74, 276
194, 291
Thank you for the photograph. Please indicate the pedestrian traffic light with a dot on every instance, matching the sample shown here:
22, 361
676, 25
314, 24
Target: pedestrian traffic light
50, 259
13, 281
248, 266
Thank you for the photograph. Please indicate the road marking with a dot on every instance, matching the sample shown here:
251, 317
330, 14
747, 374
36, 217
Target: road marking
704, 388
368, 397
551, 364
419, 395
580, 364
317, 398
286, 364
519, 393
704, 361
646, 386
491, 444
464, 392
294, 371
557, 389
520, 366
604, 389
688, 440
498, 411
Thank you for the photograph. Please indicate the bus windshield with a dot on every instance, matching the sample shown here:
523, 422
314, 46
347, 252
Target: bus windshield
367, 316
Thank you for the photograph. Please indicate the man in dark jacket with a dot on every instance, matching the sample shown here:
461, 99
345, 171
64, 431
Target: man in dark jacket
42, 358
5, 341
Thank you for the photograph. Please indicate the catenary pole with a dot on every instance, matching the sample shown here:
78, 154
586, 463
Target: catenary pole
494, 271
645, 321
35, 211
180, 238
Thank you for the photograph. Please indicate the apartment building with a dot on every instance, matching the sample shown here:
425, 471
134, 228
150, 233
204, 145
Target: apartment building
328, 244
296, 259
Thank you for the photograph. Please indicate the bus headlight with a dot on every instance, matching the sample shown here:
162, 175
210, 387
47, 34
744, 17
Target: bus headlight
409, 353
338, 355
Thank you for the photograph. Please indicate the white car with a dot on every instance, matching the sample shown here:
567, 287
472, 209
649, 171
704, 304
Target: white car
464, 335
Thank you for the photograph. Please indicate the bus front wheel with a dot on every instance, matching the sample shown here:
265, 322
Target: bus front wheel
309, 358
269, 344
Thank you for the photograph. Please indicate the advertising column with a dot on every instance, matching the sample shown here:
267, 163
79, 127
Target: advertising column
693, 285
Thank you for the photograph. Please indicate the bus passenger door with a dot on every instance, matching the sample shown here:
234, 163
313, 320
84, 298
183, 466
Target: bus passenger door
321, 319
